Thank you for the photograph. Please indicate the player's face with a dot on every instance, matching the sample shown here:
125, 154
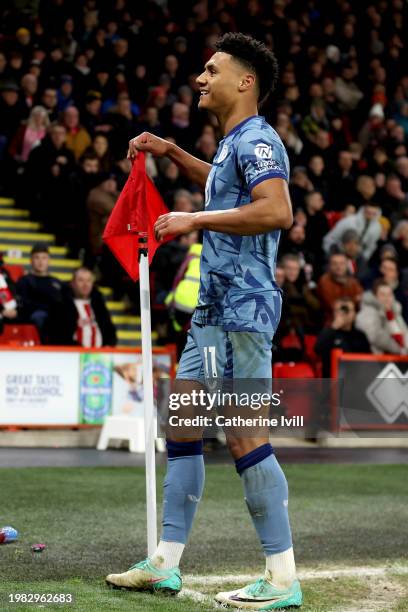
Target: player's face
219, 83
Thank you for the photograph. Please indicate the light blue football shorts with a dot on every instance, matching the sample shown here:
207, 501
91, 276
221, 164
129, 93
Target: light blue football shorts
211, 352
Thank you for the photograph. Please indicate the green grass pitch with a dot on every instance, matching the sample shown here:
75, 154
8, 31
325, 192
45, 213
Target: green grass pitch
93, 523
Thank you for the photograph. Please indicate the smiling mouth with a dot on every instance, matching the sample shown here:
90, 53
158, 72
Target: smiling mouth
203, 93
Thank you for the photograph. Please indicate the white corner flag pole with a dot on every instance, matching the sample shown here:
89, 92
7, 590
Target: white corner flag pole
149, 413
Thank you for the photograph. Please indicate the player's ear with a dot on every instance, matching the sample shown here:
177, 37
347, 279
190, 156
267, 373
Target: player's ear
247, 82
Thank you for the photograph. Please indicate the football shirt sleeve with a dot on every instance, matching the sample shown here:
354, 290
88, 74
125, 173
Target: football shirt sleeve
261, 158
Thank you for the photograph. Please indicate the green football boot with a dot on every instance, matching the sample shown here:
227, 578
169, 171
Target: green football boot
262, 595
144, 576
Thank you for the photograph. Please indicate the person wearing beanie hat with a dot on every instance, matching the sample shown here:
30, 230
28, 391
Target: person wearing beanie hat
377, 110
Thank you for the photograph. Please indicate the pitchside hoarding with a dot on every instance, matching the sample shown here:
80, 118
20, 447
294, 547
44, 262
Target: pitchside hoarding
74, 387
373, 396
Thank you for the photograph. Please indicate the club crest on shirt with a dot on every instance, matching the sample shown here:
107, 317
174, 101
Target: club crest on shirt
263, 150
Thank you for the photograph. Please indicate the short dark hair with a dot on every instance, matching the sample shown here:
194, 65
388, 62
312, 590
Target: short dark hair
377, 284
345, 299
256, 56
39, 247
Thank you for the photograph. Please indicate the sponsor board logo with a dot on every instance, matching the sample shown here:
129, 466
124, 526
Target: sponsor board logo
390, 400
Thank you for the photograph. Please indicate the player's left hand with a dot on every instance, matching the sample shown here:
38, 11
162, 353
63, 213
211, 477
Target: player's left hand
174, 223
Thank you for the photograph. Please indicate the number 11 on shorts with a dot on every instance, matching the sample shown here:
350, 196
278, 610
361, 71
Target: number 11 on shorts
210, 364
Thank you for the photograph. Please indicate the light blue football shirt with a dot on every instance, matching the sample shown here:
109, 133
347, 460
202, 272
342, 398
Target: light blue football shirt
237, 285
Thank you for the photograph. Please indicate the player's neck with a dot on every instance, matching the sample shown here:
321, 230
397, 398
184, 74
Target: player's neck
228, 121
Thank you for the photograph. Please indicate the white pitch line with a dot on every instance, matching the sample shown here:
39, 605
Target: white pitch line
195, 596
349, 572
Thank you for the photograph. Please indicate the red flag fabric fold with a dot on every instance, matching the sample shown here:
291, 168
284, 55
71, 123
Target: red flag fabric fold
136, 211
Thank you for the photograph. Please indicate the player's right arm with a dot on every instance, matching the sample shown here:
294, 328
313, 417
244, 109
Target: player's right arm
195, 169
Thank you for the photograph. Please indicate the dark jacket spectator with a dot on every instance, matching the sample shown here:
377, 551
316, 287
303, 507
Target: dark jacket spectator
341, 334
39, 292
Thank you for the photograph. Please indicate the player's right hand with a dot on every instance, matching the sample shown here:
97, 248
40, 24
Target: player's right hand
149, 143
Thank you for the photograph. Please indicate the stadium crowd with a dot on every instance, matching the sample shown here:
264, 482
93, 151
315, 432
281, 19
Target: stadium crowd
79, 79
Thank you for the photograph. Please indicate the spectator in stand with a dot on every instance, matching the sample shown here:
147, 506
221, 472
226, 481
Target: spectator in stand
400, 241
317, 225
100, 146
336, 283
72, 226
38, 291
365, 222
30, 134
183, 201
351, 247
206, 147
300, 186
365, 190
123, 119
317, 175
11, 109
347, 91
86, 320
294, 242
100, 203
342, 183
395, 200
380, 319
390, 274
49, 99
8, 301
91, 117
149, 122
167, 261
401, 166
65, 93
29, 87
78, 139
341, 334
373, 130
301, 302
46, 178
11, 113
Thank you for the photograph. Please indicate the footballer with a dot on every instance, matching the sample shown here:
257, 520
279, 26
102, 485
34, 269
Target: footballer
247, 203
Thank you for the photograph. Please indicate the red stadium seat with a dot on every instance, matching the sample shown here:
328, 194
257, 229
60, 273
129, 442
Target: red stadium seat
297, 399
293, 370
15, 271
20, 335
310, 354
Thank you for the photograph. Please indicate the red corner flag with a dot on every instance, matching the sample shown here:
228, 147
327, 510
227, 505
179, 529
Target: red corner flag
136, 211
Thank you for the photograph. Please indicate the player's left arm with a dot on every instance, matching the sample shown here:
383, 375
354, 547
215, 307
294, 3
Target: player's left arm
269, 209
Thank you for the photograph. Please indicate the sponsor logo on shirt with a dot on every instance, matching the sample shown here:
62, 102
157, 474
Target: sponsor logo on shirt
271, 164
263, 150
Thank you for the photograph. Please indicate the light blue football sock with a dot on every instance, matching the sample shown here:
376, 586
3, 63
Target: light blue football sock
266, 495
183, 488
